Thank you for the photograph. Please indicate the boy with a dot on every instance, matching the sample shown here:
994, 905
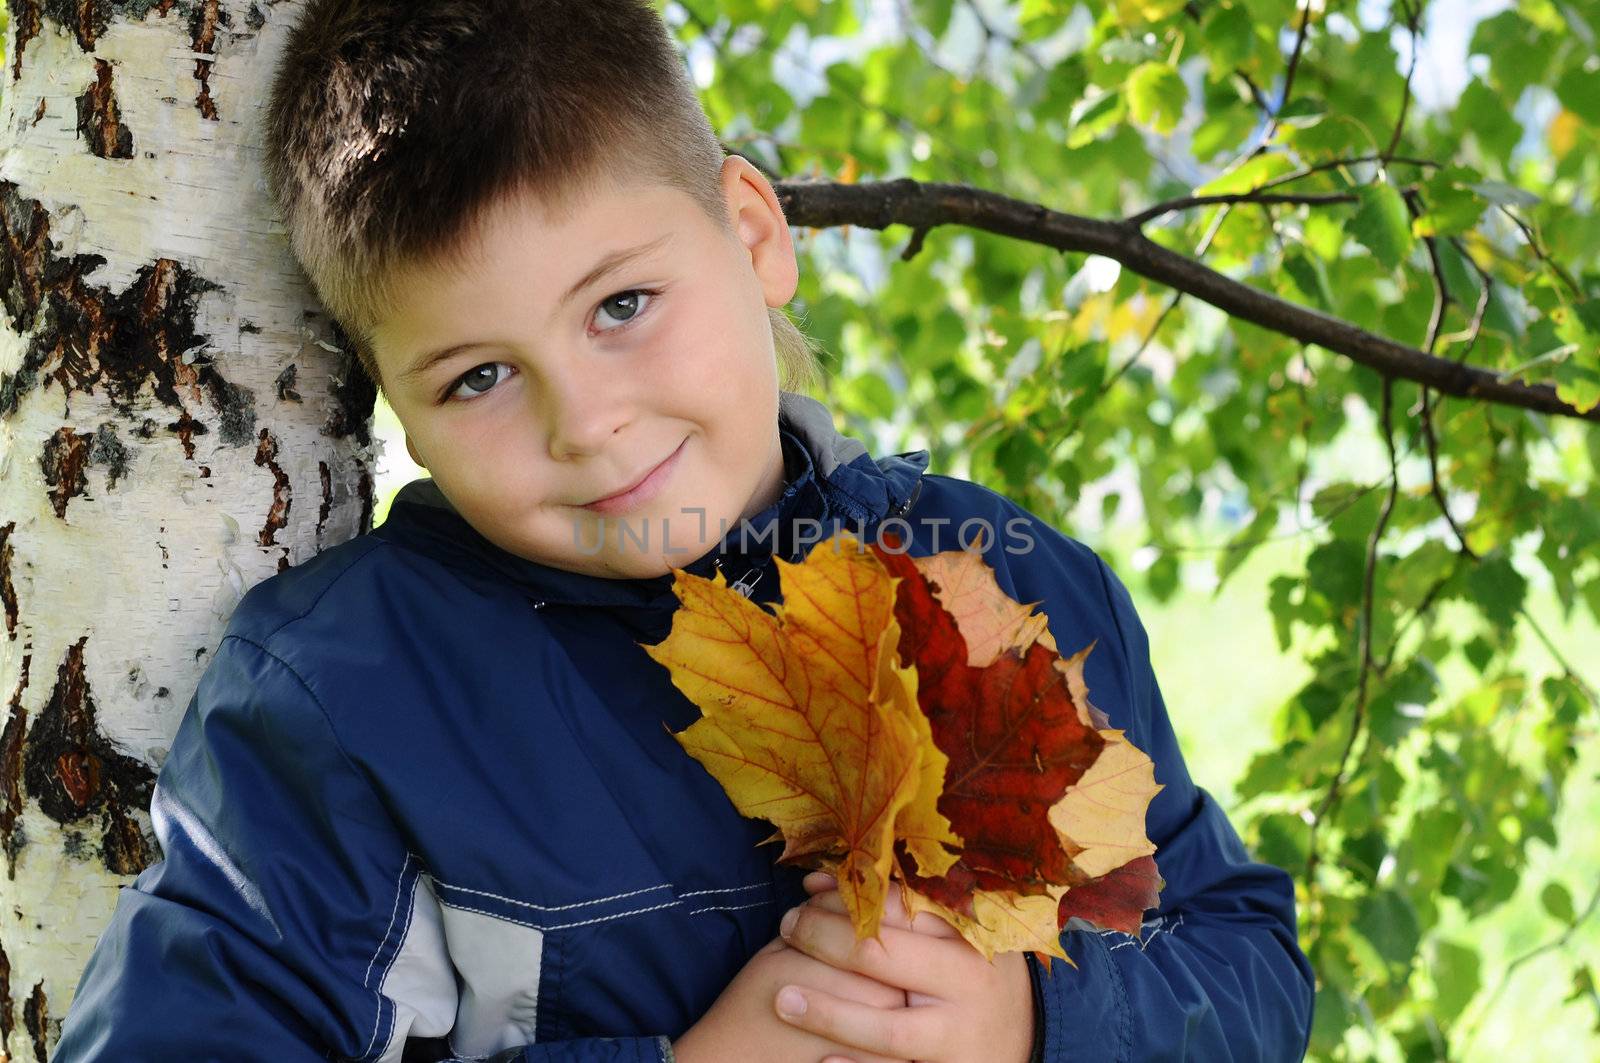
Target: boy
423, 804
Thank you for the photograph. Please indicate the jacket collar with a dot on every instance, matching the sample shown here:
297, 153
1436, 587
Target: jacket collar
830, 478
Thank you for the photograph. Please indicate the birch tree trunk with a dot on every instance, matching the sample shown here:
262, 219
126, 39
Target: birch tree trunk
177, 422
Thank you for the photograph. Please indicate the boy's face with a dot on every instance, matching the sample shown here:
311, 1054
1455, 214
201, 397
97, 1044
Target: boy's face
565, 392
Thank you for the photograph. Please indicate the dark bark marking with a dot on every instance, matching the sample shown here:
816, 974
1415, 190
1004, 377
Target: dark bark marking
278, 514
25, 229
8, 1009
8, 593
74, 771
75, 844
100, 120
187, 428
353, 394
133, 343
38, 112
203, 22
25, 17
285, 384
11, 773
236, 406
326, 477
66, 456
255, 18
124, 847
36, 1017
87, 19
108, 450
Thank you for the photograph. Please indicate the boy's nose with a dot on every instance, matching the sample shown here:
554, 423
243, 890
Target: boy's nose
583, 414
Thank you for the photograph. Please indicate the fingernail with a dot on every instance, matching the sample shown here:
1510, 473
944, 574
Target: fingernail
787, 924
791, 1003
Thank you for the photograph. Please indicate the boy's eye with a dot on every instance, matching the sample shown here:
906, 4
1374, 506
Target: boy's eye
624, 306
479, 379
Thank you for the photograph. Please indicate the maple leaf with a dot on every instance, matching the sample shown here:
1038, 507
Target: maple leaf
1001, 921
990, 620
1116, 900
1100, 817
1015, 738
810, 721
1104, 811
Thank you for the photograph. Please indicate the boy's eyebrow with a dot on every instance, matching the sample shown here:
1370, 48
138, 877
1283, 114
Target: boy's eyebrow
612, 262
604, 268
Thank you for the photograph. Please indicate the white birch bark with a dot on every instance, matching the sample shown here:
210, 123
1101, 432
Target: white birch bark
173, 429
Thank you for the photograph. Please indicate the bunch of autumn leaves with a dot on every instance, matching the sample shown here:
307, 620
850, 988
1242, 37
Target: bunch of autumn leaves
904, 718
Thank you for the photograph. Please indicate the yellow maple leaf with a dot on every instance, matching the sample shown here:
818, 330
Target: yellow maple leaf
1001, 921
1104, 811
809, 720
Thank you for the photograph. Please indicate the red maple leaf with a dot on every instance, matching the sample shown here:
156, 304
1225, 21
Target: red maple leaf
1016, 741
1116, 900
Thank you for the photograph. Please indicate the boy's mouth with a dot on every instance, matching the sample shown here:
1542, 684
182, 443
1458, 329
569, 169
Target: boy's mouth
641, 491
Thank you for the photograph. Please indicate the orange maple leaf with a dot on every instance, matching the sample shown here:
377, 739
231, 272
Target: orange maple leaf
810, 721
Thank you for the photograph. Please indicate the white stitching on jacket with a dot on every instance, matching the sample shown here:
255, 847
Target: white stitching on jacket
561, 926
552, 907
589, 904
615, 915
730, 889
732, 907
399, 888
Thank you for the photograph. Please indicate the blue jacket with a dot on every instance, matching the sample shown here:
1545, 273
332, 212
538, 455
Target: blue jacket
423, 806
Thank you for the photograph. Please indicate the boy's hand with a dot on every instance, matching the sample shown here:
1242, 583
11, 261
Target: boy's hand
962, 1008
742, 1025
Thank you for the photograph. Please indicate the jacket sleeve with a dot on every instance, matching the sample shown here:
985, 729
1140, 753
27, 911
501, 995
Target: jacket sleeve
1217, 973
285, 921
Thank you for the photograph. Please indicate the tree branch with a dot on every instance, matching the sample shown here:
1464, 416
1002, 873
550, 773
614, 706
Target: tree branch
1185, 203
1367, 663
924, 205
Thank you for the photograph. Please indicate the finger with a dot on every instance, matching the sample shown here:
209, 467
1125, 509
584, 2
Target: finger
819, 881
894, 913
906, 959
900, 1033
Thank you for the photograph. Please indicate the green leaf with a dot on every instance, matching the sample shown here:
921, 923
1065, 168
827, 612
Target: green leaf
1249, 177
1452, 206
1557, 900
1382, 224
1456, 976
1310, 277
1579, 92
1389, 923
1505, 195
1156, 96
1578, 379
1497, 589
1302, 112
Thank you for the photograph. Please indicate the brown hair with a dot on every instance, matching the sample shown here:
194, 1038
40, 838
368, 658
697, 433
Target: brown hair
392, 126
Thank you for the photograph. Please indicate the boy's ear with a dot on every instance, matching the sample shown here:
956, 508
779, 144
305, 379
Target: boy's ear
411, 448
759, 224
